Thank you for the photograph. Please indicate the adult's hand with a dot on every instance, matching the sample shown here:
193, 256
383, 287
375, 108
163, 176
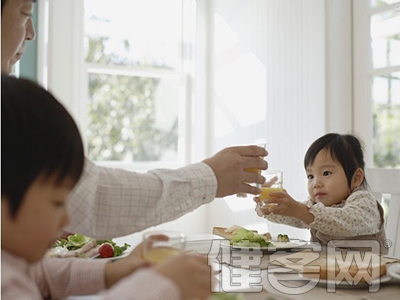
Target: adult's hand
229, 167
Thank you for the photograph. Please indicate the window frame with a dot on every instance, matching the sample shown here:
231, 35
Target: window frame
364, 72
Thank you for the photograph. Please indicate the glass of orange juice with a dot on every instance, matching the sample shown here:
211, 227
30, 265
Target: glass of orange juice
273, 183
161, 245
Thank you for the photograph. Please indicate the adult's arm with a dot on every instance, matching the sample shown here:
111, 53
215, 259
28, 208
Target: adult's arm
108, 202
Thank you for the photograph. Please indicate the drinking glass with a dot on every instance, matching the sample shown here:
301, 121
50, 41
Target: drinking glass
273, 183
161, 245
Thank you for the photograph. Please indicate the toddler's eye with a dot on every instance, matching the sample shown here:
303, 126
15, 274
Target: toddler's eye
326, 173
310, 177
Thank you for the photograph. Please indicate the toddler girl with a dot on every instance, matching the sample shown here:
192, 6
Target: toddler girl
340, 207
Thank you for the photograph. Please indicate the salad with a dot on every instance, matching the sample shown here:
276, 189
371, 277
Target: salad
247, 238
77, 245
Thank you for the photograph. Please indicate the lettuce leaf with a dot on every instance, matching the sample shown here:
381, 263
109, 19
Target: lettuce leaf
247, 238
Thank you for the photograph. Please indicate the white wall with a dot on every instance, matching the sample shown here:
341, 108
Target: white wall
280, 75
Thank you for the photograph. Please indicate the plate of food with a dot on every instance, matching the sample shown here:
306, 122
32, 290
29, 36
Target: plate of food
77, 245
243, 239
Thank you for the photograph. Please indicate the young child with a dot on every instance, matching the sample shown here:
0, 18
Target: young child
340, 206
42, 159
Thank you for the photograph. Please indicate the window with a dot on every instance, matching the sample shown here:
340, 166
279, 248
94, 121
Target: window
377, 79
136, 80
129, 86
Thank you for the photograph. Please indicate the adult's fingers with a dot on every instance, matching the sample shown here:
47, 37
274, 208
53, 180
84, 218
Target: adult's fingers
250, 150
248, 189
254, 163
250, 177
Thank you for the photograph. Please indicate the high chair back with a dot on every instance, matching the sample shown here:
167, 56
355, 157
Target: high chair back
385, 185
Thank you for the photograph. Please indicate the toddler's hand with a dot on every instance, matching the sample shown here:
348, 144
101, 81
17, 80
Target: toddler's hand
261, 211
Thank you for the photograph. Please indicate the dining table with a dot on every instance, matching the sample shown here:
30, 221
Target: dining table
274, 275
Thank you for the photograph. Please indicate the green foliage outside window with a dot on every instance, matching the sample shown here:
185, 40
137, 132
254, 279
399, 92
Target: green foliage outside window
121, 124
386, 138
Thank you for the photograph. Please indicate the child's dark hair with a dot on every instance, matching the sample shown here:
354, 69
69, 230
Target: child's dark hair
343, 148
38, 137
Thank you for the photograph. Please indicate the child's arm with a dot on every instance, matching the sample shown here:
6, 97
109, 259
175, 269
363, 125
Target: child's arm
186, 276
58, 278
286, 211
190, 273
115, 271
123, 267
358, 216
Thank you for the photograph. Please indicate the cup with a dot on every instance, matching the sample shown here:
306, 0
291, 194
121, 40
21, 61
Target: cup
273, 183
161, 245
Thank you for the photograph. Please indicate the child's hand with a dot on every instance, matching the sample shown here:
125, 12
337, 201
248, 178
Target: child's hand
190, 272
260, 210
286, 205
283, 204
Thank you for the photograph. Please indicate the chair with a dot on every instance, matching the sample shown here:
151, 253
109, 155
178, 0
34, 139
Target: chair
385, 185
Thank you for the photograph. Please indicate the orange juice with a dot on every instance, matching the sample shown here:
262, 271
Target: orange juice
157, 255
253, 170
266, 190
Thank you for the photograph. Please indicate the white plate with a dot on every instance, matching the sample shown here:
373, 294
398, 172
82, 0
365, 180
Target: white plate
124, 254
394, 271
278, 246
59, 250
345, 284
